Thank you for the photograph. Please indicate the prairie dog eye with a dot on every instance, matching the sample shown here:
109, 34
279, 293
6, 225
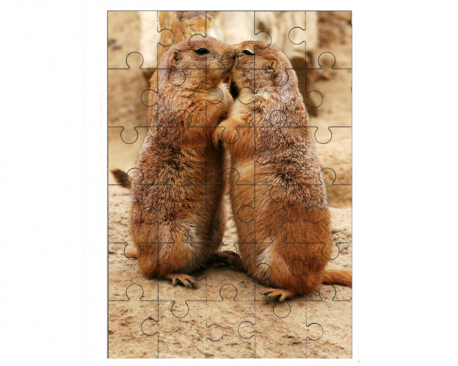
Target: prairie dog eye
248, 52
202, 51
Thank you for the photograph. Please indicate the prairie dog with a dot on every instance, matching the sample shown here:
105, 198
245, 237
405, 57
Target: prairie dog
180, 25
176, 193
270, 116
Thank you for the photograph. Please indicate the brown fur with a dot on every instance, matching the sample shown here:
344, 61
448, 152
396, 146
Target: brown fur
176, 195
121, 177
288, 192
183, 25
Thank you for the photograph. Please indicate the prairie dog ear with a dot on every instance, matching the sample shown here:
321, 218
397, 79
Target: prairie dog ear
271, 67
176, 57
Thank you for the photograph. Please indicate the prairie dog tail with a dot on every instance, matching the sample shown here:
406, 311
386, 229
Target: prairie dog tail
121, 177
338, 277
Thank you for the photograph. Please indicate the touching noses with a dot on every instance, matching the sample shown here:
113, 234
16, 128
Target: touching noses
230, 57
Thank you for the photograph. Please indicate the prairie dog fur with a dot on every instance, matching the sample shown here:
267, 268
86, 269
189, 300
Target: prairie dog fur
288, 244
176, 193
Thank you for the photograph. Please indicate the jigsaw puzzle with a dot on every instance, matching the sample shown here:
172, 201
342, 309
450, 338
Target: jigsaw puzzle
229, 184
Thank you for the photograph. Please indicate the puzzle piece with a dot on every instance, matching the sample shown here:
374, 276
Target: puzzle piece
118, 229
129, 72
333, 293
288, 319
156, 38
181, 296
123, 272
229, 312
303, 37
173, 160
153, 39
312, 66
125, 325
197, 334
127, 124
118, 149
324, 312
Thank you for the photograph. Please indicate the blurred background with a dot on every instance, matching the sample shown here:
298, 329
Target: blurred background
317, 43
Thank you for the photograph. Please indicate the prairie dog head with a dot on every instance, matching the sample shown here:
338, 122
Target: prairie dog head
197, 62
260, 66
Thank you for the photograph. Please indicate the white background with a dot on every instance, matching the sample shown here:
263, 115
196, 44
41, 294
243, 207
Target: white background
53, 159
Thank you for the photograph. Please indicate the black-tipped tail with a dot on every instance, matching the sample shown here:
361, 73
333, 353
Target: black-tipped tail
121, 177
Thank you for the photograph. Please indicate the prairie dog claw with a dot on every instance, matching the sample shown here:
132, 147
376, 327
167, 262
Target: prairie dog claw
182, 279
282, 294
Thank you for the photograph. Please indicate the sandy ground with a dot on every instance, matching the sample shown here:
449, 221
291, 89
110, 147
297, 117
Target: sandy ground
227, 303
